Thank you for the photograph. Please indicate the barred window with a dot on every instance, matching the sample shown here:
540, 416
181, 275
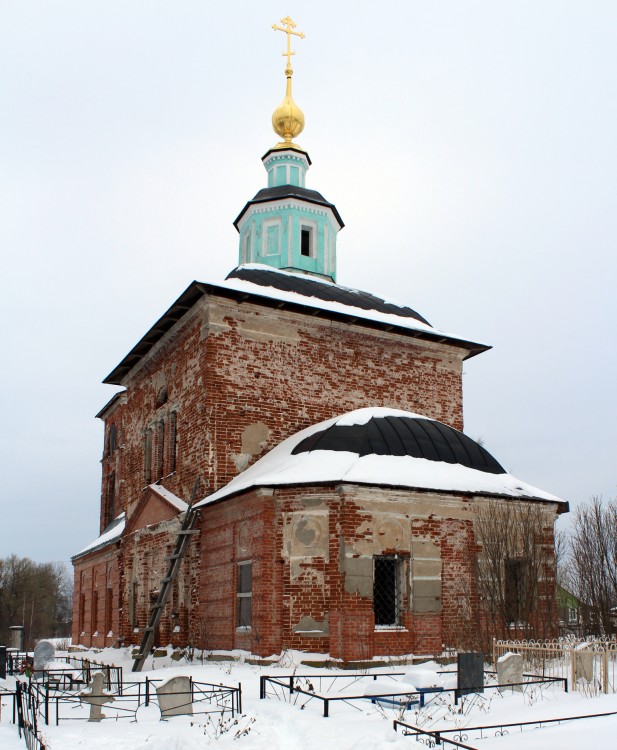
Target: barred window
244, 595
387, 590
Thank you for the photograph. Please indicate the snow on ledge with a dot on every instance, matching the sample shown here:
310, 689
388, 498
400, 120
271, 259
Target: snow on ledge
169, 496
110, 534
280, 467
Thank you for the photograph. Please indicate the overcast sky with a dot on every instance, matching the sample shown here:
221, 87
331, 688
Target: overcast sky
470, 148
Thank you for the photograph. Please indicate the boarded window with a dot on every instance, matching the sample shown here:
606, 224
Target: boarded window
245, 595
387, 593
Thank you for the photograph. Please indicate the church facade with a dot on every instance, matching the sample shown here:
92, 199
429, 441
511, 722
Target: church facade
321, 426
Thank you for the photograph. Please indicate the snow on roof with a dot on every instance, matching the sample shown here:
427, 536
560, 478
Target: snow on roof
110, 534
266, 283
169, 496
310, 291
281, 467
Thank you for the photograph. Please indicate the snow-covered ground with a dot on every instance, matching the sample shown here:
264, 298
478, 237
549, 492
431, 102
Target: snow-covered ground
296, 724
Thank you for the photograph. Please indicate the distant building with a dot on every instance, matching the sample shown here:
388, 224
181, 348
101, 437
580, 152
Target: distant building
337, 493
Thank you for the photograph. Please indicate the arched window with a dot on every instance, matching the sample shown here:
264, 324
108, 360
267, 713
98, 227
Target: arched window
161, 397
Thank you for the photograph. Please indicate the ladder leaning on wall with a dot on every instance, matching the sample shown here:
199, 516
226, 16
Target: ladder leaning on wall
185, 533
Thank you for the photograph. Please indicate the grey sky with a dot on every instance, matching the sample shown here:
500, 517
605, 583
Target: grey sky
469, 146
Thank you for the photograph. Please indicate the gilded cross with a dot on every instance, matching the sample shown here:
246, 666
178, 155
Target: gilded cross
289, 30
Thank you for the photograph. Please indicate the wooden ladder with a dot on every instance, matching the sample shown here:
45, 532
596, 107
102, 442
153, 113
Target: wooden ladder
175, 560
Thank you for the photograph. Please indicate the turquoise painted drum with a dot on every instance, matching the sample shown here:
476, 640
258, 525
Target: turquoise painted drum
286, 225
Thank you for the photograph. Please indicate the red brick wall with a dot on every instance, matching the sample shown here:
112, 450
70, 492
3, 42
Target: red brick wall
316, 588
97, 576
231, 366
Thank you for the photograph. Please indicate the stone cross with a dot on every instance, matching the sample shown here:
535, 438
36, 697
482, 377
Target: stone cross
96, 697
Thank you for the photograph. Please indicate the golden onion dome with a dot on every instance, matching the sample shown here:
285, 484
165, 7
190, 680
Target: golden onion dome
288, 118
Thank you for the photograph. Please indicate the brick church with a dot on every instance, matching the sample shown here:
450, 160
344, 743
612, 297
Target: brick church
322, 428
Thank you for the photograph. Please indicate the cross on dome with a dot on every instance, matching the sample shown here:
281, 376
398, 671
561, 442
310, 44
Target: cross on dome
289, 26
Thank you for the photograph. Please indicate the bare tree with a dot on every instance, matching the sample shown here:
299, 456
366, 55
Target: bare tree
35, 595
593, 563
516, 569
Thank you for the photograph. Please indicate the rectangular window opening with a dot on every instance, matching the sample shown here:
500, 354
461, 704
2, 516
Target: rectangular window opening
244, 595
515, 589
173, 441
387, 591
133, 605
94, 615
148, 456
306, 242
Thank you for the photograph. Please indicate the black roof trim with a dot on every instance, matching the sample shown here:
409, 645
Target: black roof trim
403, 436
110, 404
308, 286
297, 150
196, 290
280, 192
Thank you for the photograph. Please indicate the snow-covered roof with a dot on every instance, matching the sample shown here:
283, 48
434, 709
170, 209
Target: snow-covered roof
286, 288
289, 286
110, 534
376, 446
169, 496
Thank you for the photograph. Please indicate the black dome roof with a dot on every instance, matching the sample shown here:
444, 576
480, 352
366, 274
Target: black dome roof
403, 436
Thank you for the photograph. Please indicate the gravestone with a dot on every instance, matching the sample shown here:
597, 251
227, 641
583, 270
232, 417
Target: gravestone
470, 674
175, 697
44, 652
583, 665
16, 637
2, 662
96, 697
510, 670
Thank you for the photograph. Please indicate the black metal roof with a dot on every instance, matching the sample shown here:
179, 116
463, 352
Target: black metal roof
403, 436
281, 192
308, 286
